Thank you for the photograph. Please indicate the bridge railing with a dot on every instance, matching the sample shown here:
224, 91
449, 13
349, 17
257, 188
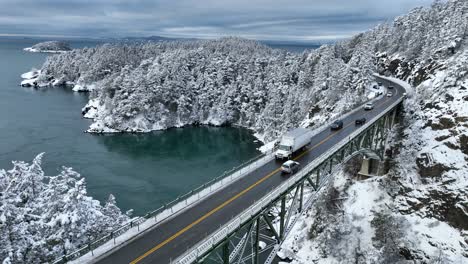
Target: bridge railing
189, 199
199, 193
218, 236
172, 208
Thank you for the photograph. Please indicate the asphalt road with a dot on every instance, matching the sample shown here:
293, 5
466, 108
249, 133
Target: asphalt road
171, 238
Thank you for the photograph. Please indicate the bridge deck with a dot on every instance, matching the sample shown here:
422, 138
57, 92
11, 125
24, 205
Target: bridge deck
171, 238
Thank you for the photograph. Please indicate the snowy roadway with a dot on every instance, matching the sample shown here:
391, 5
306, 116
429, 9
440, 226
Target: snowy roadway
171, 238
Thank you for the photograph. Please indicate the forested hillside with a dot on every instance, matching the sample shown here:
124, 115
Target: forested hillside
232, 81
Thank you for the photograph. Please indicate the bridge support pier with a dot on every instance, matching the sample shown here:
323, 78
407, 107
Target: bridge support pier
370, 167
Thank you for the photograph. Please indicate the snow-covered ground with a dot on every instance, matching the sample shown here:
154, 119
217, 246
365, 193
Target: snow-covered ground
366, 228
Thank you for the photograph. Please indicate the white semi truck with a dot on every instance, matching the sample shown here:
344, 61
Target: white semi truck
292, 141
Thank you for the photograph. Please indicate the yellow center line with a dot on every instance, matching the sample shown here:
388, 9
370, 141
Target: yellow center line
224, 204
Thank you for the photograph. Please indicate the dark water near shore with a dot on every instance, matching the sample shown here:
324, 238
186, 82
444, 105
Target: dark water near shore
143, 171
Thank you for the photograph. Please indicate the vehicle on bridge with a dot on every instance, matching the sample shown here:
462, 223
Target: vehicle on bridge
360, 121
292, 141
338, 124
290, 167
369, 106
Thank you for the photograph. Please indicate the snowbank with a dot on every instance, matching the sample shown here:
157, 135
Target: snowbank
409, 89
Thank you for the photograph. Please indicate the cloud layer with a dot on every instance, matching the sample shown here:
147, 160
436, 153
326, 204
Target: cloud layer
295, 20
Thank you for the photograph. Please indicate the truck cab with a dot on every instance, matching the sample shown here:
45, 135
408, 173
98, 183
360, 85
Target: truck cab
284, 150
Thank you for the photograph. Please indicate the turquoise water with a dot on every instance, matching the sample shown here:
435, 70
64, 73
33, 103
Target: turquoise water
143, 171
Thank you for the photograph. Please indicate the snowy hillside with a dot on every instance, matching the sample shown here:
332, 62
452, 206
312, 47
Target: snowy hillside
42, 217
418, 211
231, 81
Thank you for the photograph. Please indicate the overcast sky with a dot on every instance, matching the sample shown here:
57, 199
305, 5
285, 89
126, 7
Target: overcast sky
294, 20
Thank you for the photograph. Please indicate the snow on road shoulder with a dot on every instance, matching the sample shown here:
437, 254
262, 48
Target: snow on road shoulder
409, 89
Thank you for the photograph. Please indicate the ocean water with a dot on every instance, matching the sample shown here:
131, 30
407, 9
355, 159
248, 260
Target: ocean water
143, 171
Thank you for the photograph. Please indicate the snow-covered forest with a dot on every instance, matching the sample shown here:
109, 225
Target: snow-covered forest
42, 217
232, 81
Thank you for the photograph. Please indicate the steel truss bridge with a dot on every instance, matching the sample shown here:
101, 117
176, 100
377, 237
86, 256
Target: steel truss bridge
245, 215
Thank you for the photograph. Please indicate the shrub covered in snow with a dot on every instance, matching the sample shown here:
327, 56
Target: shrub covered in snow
43, 217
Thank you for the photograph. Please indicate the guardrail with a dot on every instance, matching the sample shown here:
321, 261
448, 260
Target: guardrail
177, 205
211, 241
318, 129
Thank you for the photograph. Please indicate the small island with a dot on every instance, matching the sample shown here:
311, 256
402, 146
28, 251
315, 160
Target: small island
50, 47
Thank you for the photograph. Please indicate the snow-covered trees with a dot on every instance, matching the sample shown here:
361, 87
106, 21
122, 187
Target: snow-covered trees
417, 212
50, 46
43, 217
231, 81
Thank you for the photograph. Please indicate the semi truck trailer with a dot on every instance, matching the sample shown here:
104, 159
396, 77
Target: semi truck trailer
292, 141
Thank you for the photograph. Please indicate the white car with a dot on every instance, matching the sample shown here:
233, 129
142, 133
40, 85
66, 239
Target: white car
290, 167
369, 106
389, 94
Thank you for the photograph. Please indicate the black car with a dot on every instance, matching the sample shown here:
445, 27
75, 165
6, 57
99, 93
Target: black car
379, 83
360, 121
338, 124
391, 87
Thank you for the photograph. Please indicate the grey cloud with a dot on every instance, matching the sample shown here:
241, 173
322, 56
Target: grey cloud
260, 19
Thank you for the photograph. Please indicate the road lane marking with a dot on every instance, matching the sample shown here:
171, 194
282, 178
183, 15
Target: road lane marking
224, 204
219, 207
